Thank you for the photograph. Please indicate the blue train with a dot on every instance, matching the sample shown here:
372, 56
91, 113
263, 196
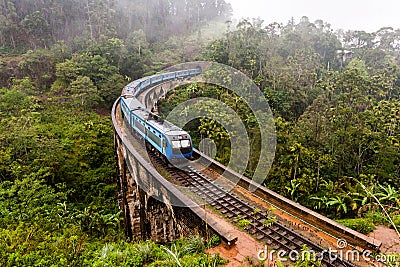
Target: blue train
170, 141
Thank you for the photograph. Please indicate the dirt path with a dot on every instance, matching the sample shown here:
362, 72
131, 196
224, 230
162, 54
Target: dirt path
243, 253
389, 238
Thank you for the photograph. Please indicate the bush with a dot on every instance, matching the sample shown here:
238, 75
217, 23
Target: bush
376, 217
148, 251
202, 260
120, 254
214, 241
243, 223
193, 245
361, 225
396, 220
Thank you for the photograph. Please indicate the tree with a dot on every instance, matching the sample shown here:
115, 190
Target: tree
14, 102
8, 23
36, 25
84, 92
68, 70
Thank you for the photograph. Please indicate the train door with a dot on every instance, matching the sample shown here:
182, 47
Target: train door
164, 146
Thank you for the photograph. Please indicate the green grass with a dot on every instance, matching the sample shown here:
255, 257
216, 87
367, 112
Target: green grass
362, 225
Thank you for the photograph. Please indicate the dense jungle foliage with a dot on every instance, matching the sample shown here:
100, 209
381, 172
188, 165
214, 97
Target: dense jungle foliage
62, 65
335, 98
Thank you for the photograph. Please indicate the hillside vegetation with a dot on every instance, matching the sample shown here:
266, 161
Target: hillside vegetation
62, 66
335, 99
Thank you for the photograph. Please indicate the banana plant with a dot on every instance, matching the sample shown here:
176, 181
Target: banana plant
339, 202
320, 202
358, 196
369, 193
388, 194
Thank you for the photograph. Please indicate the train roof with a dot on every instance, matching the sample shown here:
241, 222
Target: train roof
154, 120
130, 88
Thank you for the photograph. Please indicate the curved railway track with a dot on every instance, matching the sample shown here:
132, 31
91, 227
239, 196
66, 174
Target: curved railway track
274, 235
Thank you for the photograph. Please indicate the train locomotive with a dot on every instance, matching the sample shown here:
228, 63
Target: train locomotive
167, 139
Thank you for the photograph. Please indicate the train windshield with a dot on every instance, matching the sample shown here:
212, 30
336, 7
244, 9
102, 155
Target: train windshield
181, 146
185, 143
176, 144
180, 143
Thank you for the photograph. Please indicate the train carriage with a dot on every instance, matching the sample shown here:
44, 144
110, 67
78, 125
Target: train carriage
169, 140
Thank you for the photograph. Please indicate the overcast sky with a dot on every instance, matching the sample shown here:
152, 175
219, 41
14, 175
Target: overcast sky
367, 15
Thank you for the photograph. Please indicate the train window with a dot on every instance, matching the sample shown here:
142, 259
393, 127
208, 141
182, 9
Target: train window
139, 126
185, 143
176, 144
153, 137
